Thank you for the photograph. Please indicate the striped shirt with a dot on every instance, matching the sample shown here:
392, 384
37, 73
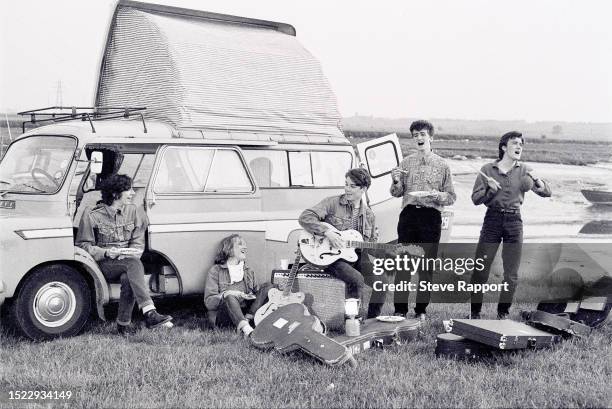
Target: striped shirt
425, 172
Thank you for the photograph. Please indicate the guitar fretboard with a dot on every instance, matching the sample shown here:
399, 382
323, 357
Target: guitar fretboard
370, 245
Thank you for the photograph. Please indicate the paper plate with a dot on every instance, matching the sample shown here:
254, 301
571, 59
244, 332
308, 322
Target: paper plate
130, 251
390, 318
420, 193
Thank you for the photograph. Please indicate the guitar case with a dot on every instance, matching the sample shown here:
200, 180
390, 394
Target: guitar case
593, 309
460, 348
557, 324
289, 329
378, 334
503, 334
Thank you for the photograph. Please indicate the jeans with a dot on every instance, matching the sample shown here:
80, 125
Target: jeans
498, 227
130, 272
422, 226
232, 309
355, 281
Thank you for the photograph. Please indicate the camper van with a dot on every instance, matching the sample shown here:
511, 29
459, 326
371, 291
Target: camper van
225, 124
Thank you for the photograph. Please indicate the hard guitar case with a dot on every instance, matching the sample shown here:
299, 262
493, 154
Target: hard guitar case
557, 324
503, 334
458, 347
289, 329
378, 334
593, 307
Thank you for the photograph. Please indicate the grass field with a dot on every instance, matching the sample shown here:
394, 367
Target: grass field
192, 366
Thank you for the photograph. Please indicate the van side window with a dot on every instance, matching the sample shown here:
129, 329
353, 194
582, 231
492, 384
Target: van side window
300, 168
319, 168
329, 168
201, 169
269, 167
381, 158
138, 166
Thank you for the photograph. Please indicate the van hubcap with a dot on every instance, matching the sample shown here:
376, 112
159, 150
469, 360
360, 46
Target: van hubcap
54, 304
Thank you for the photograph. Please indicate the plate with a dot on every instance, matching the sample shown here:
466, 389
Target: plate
130, 251
420, 193
390, 318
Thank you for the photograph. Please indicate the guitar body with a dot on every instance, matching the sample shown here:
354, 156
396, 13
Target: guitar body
318, 251
276, 299
290, 328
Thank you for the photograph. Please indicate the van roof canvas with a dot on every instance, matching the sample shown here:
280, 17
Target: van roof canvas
198, 70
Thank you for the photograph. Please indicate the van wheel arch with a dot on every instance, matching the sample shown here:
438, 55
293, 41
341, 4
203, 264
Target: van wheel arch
53, 300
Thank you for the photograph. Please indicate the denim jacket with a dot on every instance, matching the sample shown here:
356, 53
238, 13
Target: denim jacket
218, 280
104, 227
337, 211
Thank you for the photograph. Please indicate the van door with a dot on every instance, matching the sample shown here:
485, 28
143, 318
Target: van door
197, 196
379, 156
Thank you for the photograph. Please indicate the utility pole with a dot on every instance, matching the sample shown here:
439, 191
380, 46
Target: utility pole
58, 95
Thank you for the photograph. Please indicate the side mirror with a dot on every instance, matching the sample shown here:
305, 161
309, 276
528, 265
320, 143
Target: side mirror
95, 163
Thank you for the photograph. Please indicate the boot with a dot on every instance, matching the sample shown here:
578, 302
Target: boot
153, 319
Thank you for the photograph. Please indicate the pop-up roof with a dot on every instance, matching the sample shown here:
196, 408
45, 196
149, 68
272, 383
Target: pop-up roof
216, 73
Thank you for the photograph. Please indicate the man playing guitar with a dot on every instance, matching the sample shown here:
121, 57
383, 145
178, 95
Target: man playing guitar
344, 212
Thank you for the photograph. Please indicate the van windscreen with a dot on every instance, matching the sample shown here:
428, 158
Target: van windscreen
37, 164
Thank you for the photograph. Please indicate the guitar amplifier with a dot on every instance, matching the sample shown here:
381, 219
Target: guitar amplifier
324, 294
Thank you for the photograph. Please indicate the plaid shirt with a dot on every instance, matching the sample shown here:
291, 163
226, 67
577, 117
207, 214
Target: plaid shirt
104, 227
425, 172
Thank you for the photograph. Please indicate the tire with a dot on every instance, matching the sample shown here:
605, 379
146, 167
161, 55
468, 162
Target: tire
54, 301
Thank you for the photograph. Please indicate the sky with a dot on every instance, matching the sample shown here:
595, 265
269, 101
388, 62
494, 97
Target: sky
536, 60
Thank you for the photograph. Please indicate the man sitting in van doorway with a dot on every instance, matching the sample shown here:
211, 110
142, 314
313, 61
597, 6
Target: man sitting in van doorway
114, 234
344, 212
424, 181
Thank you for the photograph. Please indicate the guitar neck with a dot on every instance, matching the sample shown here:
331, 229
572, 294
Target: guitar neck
292, 274
370, 245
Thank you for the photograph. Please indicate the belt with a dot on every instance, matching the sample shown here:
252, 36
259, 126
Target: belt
502, 210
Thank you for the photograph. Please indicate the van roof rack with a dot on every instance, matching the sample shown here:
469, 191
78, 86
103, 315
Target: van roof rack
61, 114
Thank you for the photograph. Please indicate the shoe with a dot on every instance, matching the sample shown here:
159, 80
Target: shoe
153, 319
244, 328
125, 330
421, 316
473, 316
502, 315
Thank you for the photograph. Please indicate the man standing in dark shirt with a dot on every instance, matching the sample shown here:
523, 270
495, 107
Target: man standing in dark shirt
501, 186
424, 181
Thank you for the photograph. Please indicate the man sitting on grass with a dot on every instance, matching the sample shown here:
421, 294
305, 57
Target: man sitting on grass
501, 186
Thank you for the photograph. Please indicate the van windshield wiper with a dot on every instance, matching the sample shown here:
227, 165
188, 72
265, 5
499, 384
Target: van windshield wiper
31, 187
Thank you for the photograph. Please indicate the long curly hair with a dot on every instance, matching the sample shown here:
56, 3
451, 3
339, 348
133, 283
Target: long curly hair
113, 186
226, 248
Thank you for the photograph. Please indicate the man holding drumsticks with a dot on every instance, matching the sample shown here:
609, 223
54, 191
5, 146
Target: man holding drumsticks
424, 181
501, 186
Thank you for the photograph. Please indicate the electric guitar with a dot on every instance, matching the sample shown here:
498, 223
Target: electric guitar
318, 250
278, 298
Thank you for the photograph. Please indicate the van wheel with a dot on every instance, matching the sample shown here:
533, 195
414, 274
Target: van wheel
55, 301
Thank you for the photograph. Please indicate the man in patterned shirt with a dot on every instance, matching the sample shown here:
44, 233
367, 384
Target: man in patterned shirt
424, 181
344, 212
